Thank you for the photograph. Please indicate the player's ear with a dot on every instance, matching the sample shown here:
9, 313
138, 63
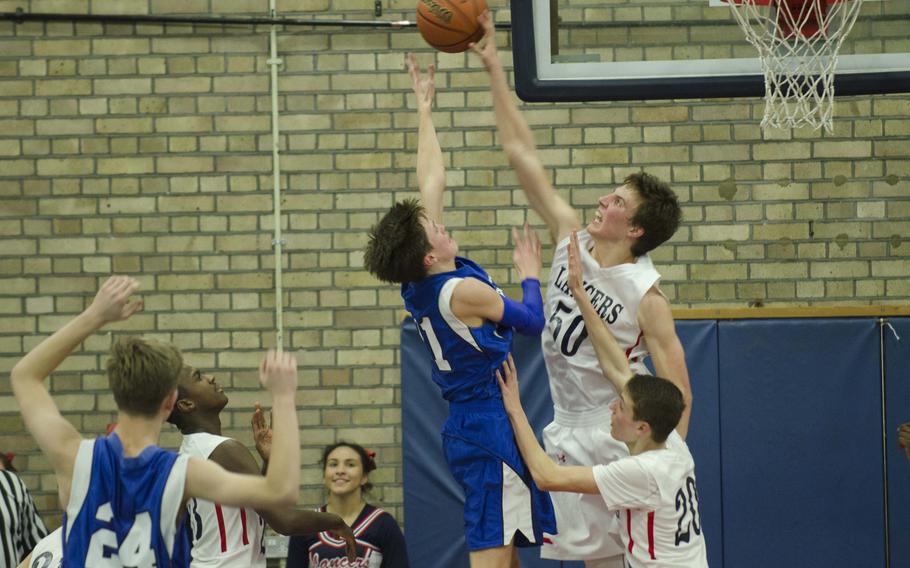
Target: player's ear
184, 404
169, 401
429, 260
644, 429
636, 232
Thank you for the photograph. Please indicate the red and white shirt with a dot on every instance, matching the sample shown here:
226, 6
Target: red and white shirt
655, 497
576, 381
226, 537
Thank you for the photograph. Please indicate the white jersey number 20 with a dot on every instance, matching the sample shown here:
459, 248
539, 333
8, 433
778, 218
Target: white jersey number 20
687, 506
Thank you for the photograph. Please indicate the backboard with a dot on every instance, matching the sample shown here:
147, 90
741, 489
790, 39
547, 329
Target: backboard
589, 50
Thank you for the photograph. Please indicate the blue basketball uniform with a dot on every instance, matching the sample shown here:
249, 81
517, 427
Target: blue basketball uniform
123, 511
501, 499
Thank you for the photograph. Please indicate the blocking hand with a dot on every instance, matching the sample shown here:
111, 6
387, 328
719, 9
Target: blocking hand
527, 252
487, 52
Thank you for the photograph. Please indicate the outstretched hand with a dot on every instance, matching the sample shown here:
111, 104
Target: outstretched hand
278, 373
424, 85
262, 433
576, 281
112, 302
487, 52
508, 386
350, 543
527, 252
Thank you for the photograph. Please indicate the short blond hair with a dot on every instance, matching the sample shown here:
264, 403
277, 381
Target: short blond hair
142, 373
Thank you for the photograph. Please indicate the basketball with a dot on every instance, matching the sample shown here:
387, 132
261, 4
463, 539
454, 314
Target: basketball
450, 25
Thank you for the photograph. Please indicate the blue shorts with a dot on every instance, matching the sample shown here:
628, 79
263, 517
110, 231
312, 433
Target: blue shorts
502, 502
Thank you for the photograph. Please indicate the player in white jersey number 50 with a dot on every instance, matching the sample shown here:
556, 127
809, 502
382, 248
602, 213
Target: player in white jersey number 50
622, 283
652, 491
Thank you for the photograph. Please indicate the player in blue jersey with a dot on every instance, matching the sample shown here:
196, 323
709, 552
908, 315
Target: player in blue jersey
124, 497
466, 323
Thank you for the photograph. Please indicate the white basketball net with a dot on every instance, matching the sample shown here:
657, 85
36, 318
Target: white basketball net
797, 42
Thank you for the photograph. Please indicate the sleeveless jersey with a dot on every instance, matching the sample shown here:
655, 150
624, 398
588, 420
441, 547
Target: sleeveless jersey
380, 544
48, 553
465, 357
655, 496
123, 511
576, 381
229, 537
501, 499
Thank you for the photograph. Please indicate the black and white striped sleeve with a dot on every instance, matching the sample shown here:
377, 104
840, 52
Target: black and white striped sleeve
20, 526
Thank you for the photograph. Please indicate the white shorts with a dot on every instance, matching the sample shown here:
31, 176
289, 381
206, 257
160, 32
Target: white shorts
586, 528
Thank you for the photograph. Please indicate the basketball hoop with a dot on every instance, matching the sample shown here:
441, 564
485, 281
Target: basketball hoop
797, 41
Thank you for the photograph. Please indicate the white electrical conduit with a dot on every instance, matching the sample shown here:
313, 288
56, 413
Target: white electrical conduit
274, 62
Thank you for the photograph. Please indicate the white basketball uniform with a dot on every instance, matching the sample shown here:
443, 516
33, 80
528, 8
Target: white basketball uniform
580, 431
48, 553
656, 502
227, 537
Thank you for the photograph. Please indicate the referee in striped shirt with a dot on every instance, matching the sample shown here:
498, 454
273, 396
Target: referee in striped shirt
20, 526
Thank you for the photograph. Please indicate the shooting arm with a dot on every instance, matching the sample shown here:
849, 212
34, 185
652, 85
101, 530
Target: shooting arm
431, 174
656, 322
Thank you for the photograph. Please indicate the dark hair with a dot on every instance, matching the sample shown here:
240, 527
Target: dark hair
658, 211
142, 372
658, 402
367, 460
398, 243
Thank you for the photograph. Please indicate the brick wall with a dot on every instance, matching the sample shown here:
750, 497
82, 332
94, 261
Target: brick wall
146, 150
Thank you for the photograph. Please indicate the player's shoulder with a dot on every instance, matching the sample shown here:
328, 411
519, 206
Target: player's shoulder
654, 304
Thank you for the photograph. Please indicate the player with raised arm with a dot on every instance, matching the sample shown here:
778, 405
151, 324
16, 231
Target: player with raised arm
622, 283
231, 537
123, 496
466, 323
652, 491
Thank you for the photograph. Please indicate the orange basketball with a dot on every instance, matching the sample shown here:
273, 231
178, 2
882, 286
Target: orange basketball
450, 25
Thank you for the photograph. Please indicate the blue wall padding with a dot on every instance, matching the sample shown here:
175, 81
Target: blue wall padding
897, 382
699, 339
800, 412
786, 433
